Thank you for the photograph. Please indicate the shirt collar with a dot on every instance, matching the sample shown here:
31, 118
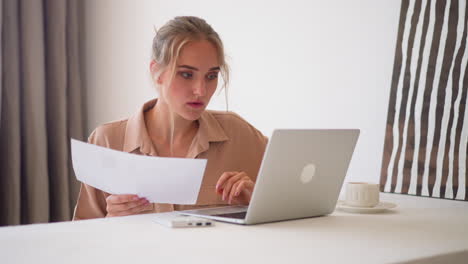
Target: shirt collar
136, 134
137, 137
209, 131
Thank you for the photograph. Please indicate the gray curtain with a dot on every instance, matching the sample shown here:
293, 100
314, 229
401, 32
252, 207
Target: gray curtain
1, 71
41, 108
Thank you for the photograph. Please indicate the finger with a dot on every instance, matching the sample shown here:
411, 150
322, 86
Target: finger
233, 191
139, 208
242, 186
224, 177
149, 207
133, 210
121, 198
244, 191
228, 186
245, 186
115, 208
229, 183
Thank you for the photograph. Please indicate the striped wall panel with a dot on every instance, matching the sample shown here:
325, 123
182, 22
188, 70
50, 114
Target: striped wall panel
425, 149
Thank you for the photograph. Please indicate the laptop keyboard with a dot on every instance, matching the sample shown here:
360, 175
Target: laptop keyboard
239, 215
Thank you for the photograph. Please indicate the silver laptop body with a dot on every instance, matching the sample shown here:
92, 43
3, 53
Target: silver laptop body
300, 176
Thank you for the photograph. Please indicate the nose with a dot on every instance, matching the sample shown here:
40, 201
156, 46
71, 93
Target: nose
199, 89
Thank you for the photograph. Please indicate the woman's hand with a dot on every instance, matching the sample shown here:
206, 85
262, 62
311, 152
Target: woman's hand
235, 187
125, 204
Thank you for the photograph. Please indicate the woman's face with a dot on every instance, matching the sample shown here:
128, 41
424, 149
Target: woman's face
195, 80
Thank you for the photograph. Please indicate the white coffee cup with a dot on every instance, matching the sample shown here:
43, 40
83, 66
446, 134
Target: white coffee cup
362, 194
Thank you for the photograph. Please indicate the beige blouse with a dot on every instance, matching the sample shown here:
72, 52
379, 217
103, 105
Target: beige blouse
227, 141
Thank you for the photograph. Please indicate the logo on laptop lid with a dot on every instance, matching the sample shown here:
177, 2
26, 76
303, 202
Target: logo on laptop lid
308, 172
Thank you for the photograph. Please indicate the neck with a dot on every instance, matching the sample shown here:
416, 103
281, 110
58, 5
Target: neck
169, 126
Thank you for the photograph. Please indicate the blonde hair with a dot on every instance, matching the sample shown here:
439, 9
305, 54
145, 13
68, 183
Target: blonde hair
171, 37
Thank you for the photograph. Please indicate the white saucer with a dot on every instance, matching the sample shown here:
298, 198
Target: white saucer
382, 206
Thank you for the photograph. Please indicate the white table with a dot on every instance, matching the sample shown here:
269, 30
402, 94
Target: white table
421, 230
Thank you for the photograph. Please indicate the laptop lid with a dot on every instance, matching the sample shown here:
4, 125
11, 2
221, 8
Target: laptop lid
301, 174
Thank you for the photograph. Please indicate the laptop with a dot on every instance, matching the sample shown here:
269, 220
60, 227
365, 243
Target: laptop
301, 176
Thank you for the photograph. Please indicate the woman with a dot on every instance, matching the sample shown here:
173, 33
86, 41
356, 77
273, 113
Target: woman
187, 58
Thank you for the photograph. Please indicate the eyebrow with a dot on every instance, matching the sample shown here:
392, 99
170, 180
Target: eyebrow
196, 69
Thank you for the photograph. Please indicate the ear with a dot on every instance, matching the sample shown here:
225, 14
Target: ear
154, 67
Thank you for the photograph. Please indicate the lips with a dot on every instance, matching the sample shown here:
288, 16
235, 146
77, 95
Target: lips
196, 104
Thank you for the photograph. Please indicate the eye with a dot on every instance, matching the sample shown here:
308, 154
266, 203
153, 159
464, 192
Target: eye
186, 75
212, 76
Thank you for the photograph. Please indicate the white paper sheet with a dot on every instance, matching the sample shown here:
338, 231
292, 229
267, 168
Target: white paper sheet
160, 180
